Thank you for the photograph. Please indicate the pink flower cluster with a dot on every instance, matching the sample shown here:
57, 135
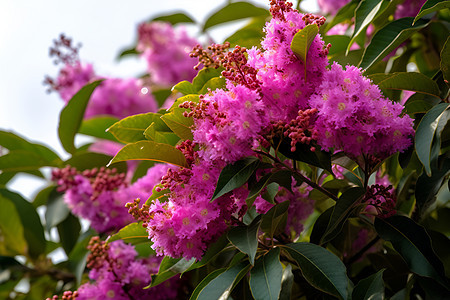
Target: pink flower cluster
331, 7
100, 195
117, 273
166, 51
353, 116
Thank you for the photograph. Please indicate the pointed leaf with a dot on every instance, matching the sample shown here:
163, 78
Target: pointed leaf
56, 212
72, 115
133, 234
175, 18
178, 123
426, 132
69, 231
221, 286
431, 6
170, 267
213, 250
23, 161
234, 11
411, 81
275, 219
97, 127
131, 129
203, 76
84, 160
235, 175
414, 245
283, 178
322, 269
445, 60
205, 282
148, 150
302, 41
387, 39
287, 280
371, 287
11, 230
245, 238
265, 277
364, 15
345, 13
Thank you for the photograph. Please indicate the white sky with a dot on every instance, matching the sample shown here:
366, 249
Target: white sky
27, 29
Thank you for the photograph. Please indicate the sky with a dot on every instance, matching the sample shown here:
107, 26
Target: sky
27, 29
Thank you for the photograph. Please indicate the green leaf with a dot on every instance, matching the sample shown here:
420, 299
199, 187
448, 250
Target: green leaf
287, 280
178, 123
445, 60
33, 230
213, 251
148, 150
345, 13
205, 282
133, 234
427, 130
341, 211
302, 41
170, 267
221, 286
338, 43
245, 238
431, 6
265, 277
282, 177
387, 39
411, 81
232, 12
23, 161
204, 75
11, 229
175, 18
56, 212
184, 87
153, 134
84, 160
128, 52
371, 287
131, 129
364, 15
235, 175
414, 245
274, 221
69, 231
322, 269
97, 127
72, 115
250, 35
78, 255
321, 225
12, 141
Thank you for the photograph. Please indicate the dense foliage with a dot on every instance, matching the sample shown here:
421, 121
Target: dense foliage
303, 158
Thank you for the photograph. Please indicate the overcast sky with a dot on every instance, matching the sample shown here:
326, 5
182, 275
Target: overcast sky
27, 29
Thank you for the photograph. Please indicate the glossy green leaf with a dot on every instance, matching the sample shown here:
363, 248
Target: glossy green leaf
235, 175
84, 160
387, 39
205, 282
364, 15
282, 177
213, 251
411, 81
445, 60
184, 87
341, 212
22, 161
11, 229
12, 141
345, 13
414, 245
338, 43
250, 35
56, 212
245, 238
287, 281
213, 84
131, 51
175, 18
72, 115
97, 127
432, 6
302, 41
322, 269
32, 226
371, 287
178, 123
152, 133
43, 195
232, 12
131, 129
78, 255
265, 277
69, 231
170, 267
133, 233
274, 221
426, 132
221, 286
320, 226
148, 150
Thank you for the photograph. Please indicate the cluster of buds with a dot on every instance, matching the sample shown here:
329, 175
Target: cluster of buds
313, 19
101, 179
299, 130
212, 57
382, 198
140, 214
64, 51
67, 295
279, 7
98, 255
238, 71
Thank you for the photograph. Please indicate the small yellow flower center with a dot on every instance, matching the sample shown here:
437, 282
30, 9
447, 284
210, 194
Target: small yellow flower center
341, 106
246, 125
205, 176
248, 104
186, 221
